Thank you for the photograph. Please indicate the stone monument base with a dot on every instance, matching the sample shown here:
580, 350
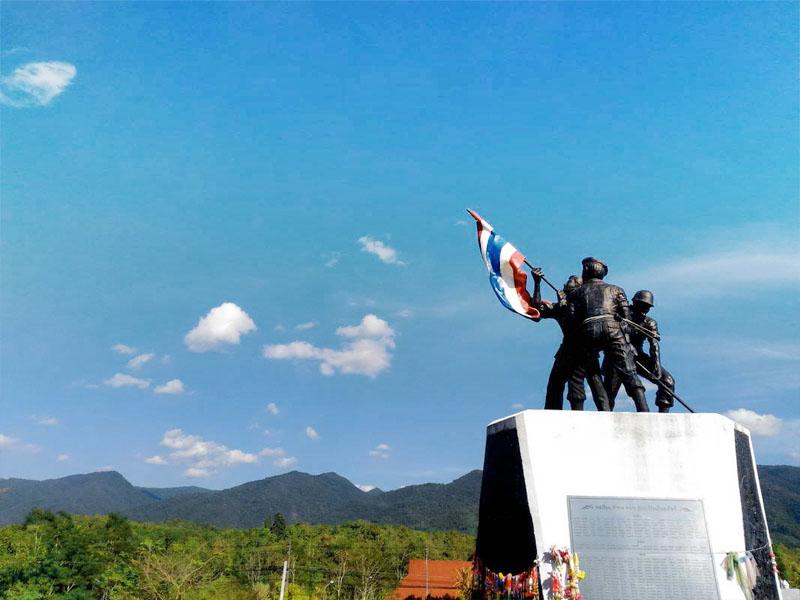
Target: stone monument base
652, 503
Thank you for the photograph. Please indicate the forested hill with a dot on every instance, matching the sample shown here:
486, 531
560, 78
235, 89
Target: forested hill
325, 498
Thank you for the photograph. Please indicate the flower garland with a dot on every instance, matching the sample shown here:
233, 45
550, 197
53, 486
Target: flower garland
563, 583
565, 575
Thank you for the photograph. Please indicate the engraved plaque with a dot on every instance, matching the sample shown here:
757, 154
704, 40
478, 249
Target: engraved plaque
642, 548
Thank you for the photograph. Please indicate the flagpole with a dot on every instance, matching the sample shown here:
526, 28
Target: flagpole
543, 277
663, 387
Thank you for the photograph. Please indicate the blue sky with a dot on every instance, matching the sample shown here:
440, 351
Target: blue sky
299, 173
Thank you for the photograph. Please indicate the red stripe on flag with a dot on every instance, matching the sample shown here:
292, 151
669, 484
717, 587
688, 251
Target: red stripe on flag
520, 279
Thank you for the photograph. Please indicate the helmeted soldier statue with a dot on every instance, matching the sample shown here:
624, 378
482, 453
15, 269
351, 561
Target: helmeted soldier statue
568, 367
651, 361
598, 308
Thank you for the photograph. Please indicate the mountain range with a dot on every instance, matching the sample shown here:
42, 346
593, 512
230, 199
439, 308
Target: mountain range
324, 498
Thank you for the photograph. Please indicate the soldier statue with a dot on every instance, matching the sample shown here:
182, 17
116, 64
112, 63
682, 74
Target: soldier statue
598, 309
568, 367
648, 364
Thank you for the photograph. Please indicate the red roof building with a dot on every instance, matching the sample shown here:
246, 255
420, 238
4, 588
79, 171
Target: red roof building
441, 577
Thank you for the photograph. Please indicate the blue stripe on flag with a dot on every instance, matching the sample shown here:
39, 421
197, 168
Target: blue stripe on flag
493, 248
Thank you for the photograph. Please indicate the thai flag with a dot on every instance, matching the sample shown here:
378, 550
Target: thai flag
504, 263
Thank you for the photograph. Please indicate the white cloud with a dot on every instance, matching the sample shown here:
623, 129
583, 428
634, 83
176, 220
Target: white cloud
331, 259
751, 260
63, 457
271, 452
173, 386
306, 326
155, 460
123, 349
36, 83
200, 457
12, 444
104, 469
405, 313
195, 472
47, 421
517, 406
380, 451
272, 408
762, 425
365, 487
137, 361
367, 353
223, 325
311, 433
124, 380
386, 254
285, 462
279, 456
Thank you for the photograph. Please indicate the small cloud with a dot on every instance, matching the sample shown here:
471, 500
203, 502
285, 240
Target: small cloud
272, 408
123, 349
166, 359
331, 259
36, 83
306, 326
405, 313
63, 457
279, 327
201, 457
124, 380
380, 451
368, 351
270, 452
385, 254
173, 386
46, 421
281, 460
517, 406
12, 444
311, 433
461, 223
196, 473
223, 325
364, 487
137, 361
285, 462
761, 425
104, 469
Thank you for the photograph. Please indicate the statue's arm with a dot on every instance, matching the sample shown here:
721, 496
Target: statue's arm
655, 349
623, 308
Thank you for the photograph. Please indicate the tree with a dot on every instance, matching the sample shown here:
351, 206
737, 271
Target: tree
278, 528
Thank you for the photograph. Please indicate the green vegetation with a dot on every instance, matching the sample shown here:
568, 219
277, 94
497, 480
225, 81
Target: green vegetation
789, 564
80, 558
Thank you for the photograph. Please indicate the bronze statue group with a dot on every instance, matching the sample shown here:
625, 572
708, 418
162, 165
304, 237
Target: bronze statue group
596, 317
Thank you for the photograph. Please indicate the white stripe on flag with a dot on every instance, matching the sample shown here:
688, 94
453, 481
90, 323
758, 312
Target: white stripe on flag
507, 273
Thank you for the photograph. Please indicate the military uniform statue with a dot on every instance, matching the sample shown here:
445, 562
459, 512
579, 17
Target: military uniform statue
650, 362
598, 308
568, 367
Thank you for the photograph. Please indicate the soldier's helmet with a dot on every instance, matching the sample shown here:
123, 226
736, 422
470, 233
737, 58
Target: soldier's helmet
573, 283
594, 268
644, 296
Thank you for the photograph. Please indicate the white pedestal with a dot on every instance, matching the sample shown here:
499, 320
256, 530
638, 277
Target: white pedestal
672, 495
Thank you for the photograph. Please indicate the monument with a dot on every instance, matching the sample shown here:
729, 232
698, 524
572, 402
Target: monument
655, 505
613, 506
